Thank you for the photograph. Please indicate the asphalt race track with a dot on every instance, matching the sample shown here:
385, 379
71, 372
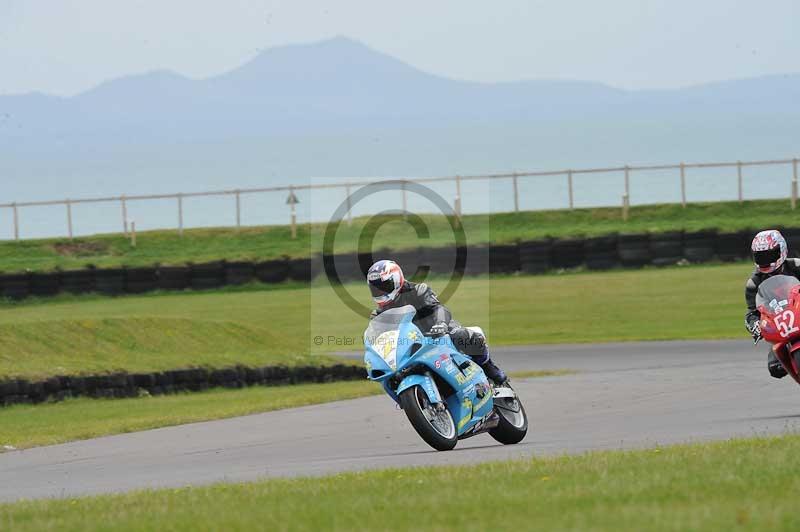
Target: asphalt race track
624, 396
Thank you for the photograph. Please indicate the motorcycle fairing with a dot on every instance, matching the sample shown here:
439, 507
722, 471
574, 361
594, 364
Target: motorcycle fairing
471, 403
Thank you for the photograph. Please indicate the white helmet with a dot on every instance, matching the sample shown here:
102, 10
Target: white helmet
385, 279
769, 250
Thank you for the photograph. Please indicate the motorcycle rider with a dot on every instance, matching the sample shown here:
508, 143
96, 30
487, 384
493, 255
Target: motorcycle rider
770, 254
390, 289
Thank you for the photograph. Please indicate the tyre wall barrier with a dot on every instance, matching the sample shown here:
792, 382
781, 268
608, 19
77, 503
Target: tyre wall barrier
141, 280
120, 385
346, 267
45, 284
477, 260
634, 250
601, 252
78, 281
272, 271
504, 258
418, 263
110, 282
666, 248
174, 277
792, 236
440, 261
237, 273
729, 247
15, 286
207, 275
567, 253
302, 270
698, 246
535, 256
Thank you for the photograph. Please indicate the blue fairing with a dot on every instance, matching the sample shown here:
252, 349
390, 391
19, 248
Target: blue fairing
400, 357
426, 382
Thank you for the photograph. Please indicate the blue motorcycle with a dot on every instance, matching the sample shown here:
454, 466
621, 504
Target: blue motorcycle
445, 395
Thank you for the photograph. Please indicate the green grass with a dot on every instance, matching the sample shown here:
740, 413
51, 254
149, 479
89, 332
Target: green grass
201, 245
264, 327
24, 426
739, 484
96, 345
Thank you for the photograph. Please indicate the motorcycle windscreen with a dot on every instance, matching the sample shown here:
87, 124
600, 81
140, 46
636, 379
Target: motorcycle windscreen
777, 300
774, 294
383, 333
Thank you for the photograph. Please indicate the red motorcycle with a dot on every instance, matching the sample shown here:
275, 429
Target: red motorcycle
778, 300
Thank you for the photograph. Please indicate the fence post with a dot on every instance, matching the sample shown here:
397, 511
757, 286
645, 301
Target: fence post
180, 215
133, 233
569, 186
124, 206
739, 177
626, 197
627, 182
683, 185
238, 210
457, 201
292, 201
794, 183
626, 204
16, 220
69, 218
516, 194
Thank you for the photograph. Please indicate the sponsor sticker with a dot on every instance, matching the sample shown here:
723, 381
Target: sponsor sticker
470, 372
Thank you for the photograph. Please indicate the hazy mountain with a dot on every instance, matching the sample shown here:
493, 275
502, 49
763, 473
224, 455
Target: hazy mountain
340, 85
338, 108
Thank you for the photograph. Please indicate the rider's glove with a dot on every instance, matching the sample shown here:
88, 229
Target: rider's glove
440, 329
755, 330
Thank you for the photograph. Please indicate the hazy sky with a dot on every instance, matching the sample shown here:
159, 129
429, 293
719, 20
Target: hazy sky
66, 46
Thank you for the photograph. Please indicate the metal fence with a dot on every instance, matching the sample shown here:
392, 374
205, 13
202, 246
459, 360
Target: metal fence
626, 173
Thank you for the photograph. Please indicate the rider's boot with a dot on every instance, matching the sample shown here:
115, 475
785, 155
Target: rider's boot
774, 365
497, 375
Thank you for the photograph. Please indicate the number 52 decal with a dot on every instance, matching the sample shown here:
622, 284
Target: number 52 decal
785, 323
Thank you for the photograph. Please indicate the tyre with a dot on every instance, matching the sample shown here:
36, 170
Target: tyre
634, 250
535, 256
601, 252
698, 246
513, 425
568, 253
434, 426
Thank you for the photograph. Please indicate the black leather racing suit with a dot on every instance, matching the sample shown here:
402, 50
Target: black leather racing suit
789, 267
430, 311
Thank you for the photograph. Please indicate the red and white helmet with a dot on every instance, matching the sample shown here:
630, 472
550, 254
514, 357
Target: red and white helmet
769, 250
385, 279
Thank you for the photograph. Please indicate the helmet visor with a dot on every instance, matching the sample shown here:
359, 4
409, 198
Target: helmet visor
767, 257
381, 288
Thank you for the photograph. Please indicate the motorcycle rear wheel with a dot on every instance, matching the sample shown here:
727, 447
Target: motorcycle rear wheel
434, 426
513, 425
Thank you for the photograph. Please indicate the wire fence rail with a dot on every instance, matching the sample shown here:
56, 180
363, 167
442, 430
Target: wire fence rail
514, 177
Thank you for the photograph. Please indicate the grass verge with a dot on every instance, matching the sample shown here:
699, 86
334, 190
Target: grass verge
201, 245
715, 486
155, 332
26, 426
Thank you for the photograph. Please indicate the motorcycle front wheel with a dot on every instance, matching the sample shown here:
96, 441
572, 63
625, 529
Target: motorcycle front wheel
433, 423
513, 425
